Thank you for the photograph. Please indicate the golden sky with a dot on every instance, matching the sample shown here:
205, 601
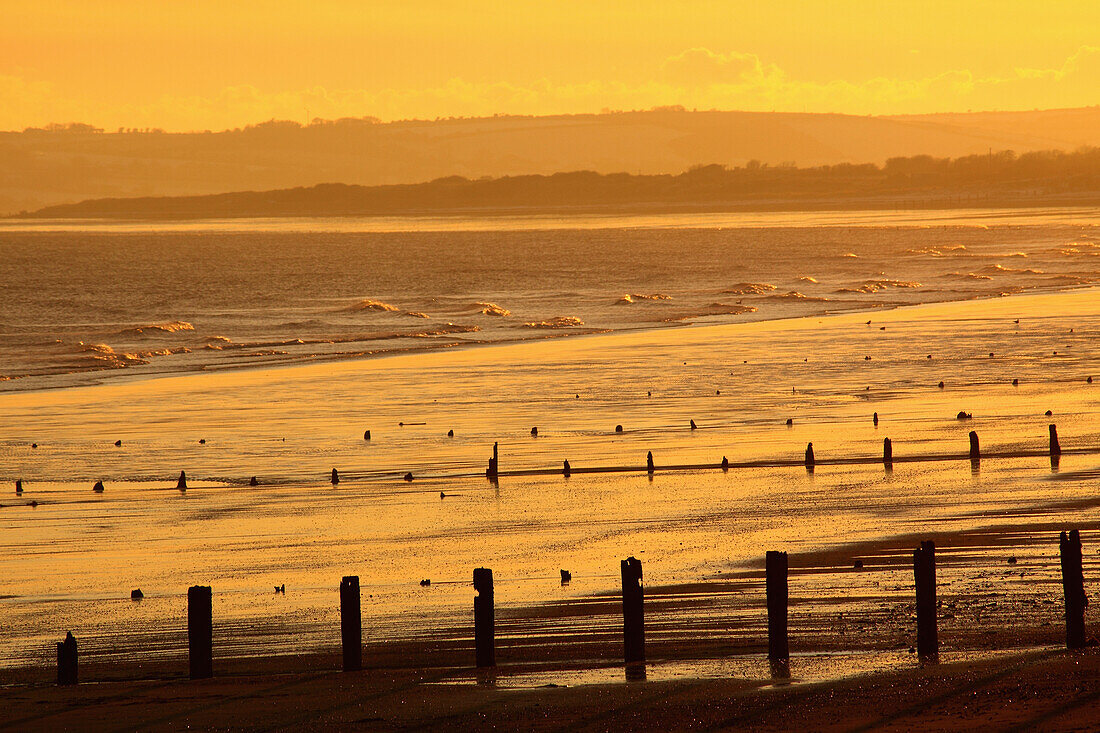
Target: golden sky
205, 64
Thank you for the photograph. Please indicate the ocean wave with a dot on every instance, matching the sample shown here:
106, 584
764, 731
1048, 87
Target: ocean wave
417, 314
728, 309
106, 356
445, 329
635, 297
795, 295
807, 279
492, 309
957, 250
873, 286
968, 276
370, 304
158, 329
750, 289
556, 322
1002, 270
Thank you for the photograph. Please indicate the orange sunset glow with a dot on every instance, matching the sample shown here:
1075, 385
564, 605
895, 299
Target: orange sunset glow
214, 65
572, 366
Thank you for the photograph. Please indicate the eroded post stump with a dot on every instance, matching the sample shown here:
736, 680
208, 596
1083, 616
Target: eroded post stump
351, 623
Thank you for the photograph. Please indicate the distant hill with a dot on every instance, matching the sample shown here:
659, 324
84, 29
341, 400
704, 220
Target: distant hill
72, 163
989, 180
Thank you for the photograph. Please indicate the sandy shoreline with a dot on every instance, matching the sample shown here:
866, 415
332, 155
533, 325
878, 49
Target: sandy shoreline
701, 534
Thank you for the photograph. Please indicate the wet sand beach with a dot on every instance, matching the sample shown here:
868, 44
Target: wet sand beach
71, 561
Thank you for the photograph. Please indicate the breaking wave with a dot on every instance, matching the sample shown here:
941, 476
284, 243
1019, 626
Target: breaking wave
635, 297
795, 295
557, 322
750, 289
873, 286
369, 304
1002, 270
492, 309
958, 250
157, 329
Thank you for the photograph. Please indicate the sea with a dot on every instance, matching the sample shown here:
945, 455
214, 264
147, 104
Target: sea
87, 302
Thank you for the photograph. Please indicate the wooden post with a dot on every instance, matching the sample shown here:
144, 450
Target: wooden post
491, 471
565, 469
924, 573
887, 452
200, 632
1073, 586
351, 623
633, 613
649, 461
335, 477
181, 484
484, 619
775, 565
1055, 447
809, 455
975, 451
66, 660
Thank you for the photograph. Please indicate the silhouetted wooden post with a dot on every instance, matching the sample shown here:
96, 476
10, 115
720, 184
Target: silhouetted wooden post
200, 632
887, 452
182, 483
649, 461
66, 660
633, 614
484, 619
924, 572
775, 565
809, 455
335, 477
1055, 447
491, 472
1073, 586
351, 623
975, 450
565, 469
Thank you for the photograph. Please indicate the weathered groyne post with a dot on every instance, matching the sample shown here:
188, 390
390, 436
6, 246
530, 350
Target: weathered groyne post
335, 477
181, 484
491, 471
975, 449
649, 462
633, 613
887, 453
810, 456
565, 471
351, 623
1055, 446
66, 660
484, 619
200, 632
1073, 587
924, 573
775, 567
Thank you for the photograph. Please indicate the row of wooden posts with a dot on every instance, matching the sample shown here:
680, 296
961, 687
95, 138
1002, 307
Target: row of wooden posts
200, 615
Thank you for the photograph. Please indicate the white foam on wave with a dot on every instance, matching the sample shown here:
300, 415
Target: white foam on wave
635, 297
556, 322
492, 309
